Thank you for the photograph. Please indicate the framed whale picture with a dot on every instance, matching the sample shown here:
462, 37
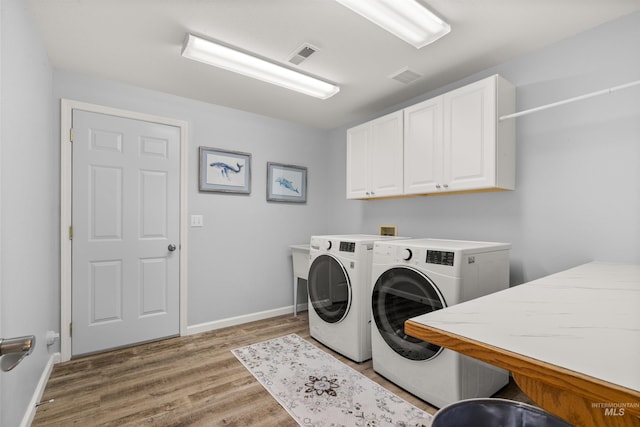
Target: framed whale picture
286, 183
225, 171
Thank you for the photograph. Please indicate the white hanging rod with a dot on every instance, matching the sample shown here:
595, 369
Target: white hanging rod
566, 101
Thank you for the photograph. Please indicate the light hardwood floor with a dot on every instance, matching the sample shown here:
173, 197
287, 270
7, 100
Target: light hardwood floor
185, 381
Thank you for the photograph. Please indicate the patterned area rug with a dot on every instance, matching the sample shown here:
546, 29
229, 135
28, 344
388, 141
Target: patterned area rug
318, 390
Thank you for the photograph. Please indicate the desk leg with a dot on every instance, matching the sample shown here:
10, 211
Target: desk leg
572, 407
295, 297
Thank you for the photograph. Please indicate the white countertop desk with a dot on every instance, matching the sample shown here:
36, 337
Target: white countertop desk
571, 340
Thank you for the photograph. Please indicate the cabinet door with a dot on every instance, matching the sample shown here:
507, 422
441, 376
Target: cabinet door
385, 158
358, 162
469, 136
423, 147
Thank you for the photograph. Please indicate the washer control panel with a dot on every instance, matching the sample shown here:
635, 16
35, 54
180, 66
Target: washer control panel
440, 257
347, 247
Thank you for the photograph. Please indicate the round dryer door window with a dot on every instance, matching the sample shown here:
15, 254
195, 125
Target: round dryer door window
398, 295
329, 288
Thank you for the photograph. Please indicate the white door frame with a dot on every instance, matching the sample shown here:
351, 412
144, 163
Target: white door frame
66, 111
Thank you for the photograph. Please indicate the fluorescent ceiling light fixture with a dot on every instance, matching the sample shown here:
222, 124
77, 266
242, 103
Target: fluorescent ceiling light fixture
215, 54
406, 19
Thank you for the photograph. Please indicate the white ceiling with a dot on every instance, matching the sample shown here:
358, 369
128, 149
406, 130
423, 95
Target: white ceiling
139, 42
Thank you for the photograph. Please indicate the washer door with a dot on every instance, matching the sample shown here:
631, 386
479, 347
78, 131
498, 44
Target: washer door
329, 288
399, 294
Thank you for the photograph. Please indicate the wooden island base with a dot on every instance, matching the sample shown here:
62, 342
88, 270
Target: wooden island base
579, 399
574, 408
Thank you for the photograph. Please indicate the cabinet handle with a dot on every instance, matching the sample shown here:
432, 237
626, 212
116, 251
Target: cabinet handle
373, 194
446, 185
437, 185
367, 193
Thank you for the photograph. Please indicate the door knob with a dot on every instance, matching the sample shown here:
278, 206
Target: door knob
172, 247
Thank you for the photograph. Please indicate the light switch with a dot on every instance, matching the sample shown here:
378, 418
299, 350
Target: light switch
197, 221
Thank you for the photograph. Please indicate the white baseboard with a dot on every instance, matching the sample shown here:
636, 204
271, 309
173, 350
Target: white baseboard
239, 320
39, 391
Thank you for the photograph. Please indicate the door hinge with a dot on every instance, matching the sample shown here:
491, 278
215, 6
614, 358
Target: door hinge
70, 134
70, 329
71, 232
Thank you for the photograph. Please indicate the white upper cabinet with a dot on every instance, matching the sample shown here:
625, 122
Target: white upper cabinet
423, 125
358, 162
452, 143
374, 158
478, 153
456, 143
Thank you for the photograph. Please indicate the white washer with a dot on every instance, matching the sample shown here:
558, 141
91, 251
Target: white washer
339, 285
414, 277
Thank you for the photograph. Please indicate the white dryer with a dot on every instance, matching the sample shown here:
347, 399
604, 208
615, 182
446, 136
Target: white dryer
414, 277
339, 288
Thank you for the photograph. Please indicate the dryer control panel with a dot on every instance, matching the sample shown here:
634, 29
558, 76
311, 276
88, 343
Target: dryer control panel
440, 257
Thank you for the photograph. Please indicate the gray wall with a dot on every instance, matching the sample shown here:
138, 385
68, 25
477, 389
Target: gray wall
29, 200
239, 262
578, 165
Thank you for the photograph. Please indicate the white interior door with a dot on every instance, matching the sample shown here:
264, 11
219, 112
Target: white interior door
125, 219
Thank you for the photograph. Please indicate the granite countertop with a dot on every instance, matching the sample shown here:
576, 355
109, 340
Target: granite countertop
585, 319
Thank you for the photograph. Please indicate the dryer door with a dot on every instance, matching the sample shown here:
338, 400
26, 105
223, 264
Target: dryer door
399, 294
329, 288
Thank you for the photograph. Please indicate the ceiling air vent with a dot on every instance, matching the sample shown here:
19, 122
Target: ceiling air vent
302, 53
405, 76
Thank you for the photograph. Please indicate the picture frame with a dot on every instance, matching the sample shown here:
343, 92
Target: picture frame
286, 183
224, 171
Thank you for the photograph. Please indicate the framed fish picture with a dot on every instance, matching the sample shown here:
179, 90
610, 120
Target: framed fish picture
286, 183
225, 171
